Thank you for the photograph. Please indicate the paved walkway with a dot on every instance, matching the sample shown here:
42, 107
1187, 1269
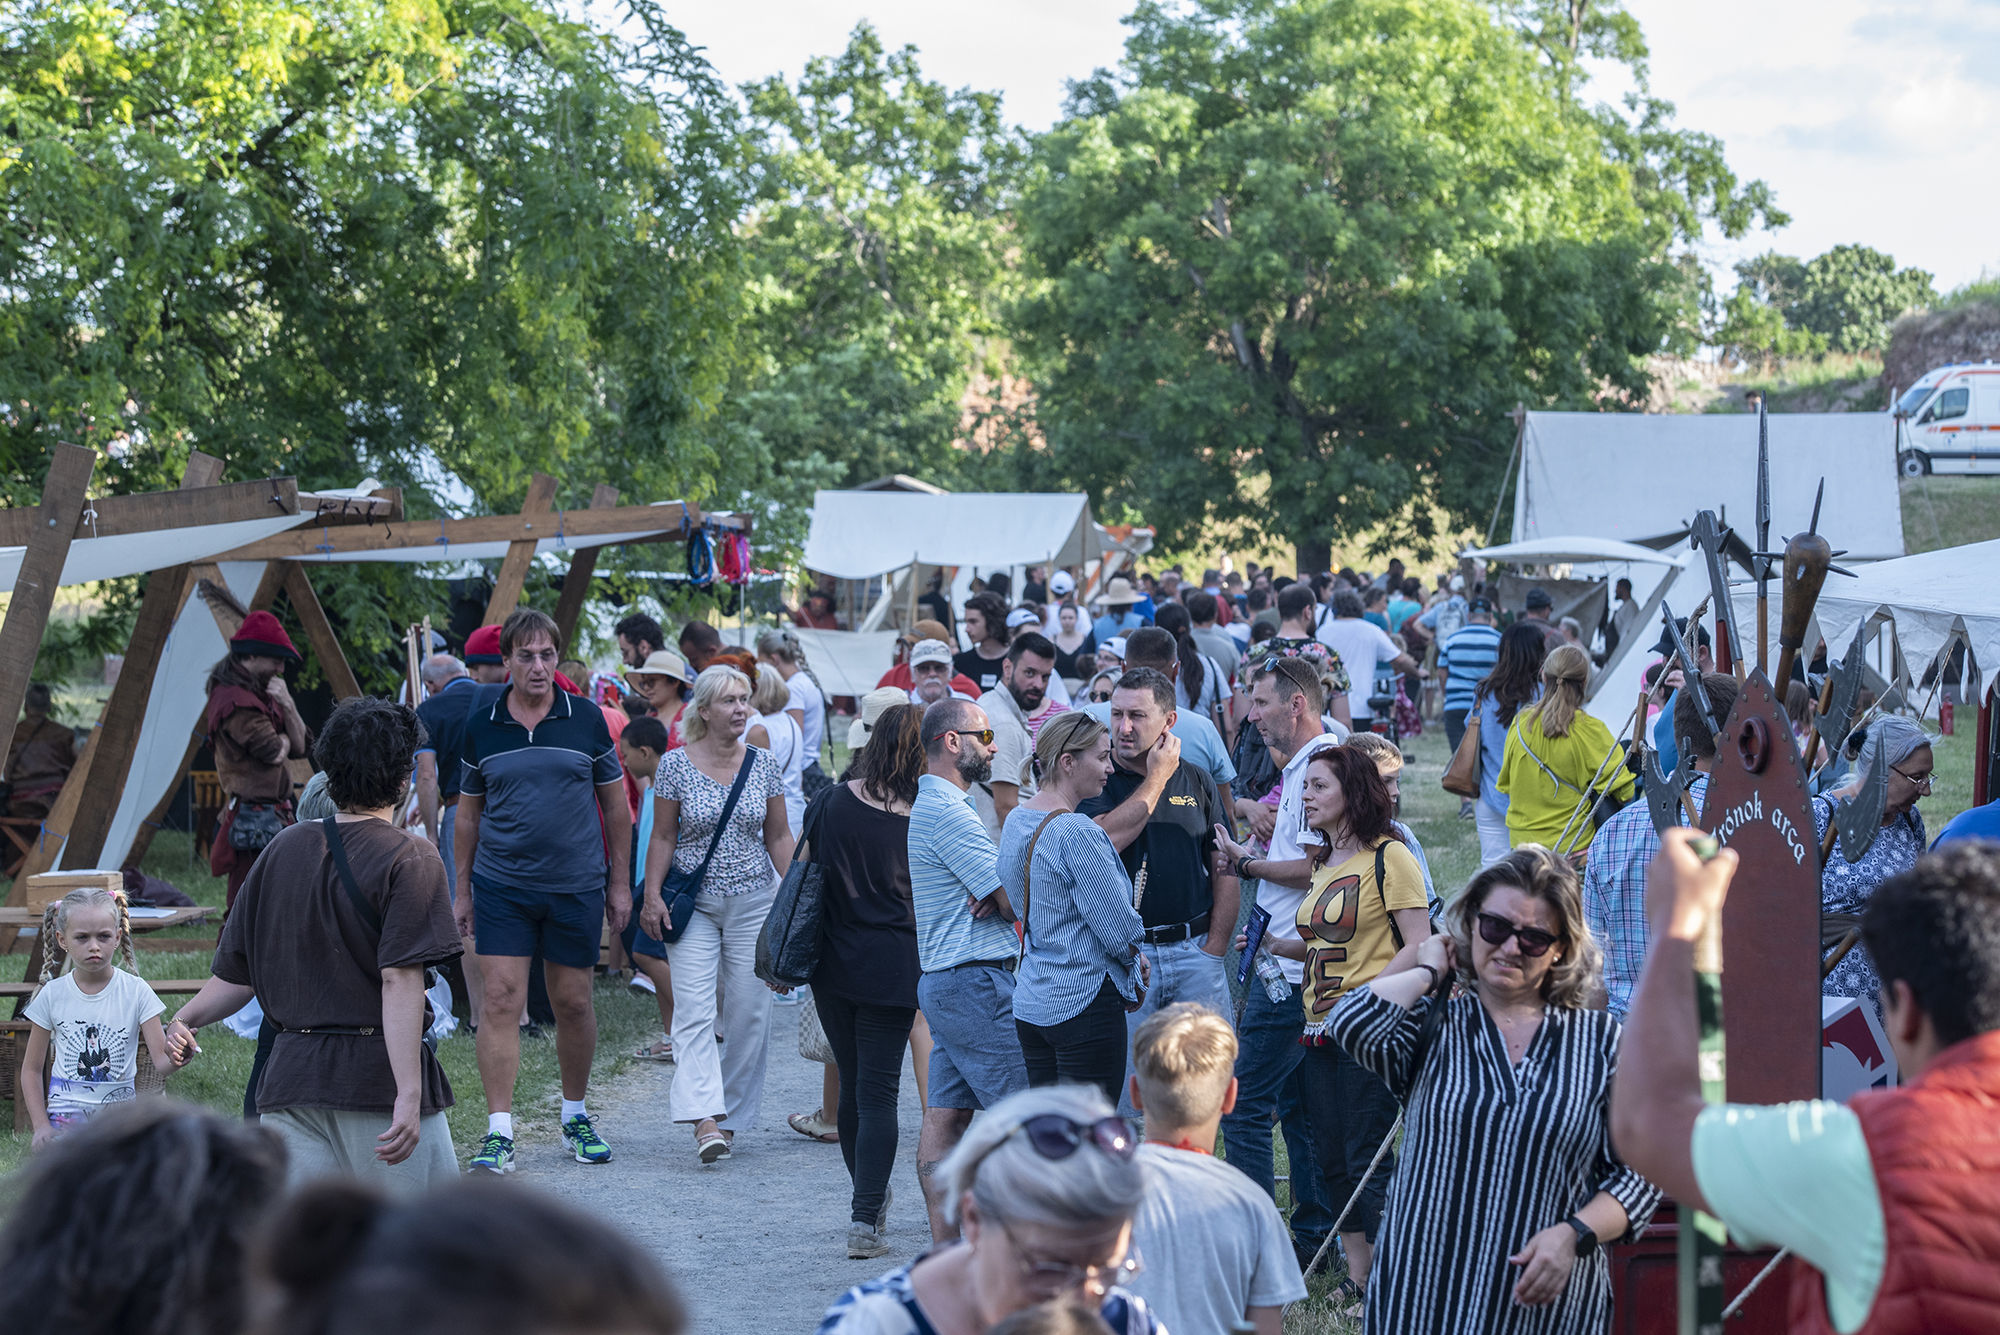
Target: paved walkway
758, 1243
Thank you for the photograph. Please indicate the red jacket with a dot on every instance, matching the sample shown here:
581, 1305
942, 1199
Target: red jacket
1935, 1146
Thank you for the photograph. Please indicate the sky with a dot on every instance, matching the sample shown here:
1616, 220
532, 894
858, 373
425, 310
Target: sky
1874, 121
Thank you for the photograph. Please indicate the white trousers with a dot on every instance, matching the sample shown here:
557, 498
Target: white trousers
1494, 842
725, 1081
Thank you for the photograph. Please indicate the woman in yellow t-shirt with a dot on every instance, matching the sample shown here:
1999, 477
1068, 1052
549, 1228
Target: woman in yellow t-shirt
1555, 753
1366, 904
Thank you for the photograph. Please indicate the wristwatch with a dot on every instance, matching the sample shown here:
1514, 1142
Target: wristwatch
1243, 866
1586, 1236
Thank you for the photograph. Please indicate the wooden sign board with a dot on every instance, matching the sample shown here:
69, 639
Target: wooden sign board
1757, 804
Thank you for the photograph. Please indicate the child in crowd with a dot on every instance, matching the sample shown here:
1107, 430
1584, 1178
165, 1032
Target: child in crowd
91, 1018
1053, 1318
1216, 1250
640, 747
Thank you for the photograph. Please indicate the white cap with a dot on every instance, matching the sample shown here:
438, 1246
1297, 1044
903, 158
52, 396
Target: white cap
1062, 584
1022, 616
1115, 646
930, 651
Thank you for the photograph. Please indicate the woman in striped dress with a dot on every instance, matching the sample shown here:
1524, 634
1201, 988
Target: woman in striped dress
1508, 1185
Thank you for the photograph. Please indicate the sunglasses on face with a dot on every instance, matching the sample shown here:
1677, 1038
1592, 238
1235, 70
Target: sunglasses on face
1494, 931
1100, 699
985, 735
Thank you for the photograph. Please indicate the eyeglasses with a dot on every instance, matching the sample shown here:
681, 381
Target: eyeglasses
1535, 942
1049, 1278
985, 735
1922, 785
1056, 1137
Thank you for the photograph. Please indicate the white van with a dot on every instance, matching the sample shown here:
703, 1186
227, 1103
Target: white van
1949, 421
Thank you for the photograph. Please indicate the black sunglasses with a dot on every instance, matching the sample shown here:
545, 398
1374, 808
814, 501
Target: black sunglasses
1534, 941
1056, 1137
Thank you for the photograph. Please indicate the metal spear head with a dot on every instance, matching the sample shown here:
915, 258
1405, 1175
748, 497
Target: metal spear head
1663, 794
1690, 668
1763, 567
1837, 719
1708, 534
1859, 818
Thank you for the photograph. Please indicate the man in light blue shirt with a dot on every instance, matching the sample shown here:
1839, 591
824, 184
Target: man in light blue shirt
1118, 618
966, 945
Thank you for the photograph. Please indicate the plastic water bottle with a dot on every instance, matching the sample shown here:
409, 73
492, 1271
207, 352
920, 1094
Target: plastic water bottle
1276, 987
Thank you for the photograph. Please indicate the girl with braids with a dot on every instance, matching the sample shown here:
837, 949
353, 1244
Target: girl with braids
91, 1017
807, 704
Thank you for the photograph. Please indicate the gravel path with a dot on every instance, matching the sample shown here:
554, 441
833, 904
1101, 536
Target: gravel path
758, 1243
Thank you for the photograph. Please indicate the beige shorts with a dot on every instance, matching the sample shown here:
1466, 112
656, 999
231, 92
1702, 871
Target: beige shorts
329, 1142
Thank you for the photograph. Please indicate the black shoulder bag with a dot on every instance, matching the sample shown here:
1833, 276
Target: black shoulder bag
369, 919
680, 887
788, 945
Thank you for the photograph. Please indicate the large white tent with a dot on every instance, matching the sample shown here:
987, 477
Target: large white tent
861, 534
1642, 477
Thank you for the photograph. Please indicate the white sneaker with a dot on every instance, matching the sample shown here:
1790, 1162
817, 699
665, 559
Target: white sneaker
641, 983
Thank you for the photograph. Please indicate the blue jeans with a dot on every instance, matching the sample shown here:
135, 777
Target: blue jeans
1268, 1057
1182, 971
447, 824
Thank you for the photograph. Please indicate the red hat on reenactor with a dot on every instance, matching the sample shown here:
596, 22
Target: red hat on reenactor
483, 646
261, 634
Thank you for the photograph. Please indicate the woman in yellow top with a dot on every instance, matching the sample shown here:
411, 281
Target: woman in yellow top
1366, 905
1555, 752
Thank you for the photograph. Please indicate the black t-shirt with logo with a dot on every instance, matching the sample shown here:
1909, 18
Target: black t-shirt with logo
984, 670
1176, 846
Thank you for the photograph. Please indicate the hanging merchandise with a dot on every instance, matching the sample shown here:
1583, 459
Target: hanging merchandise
734, 559
700, 559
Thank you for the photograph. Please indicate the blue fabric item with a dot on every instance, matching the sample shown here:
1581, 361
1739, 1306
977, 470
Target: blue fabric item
1614, 894
1182, 971
447, 848
540, 825
1664, 740
1467, 657
1111, 625
975, 1051
1201, 744
636, 941
952, 857
1080, 924
1492, 751
1978, 823
565, 927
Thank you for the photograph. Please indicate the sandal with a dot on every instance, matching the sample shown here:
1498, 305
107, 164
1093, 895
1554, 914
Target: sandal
712, 1147
812, 1128
1348, 1299
662, 1051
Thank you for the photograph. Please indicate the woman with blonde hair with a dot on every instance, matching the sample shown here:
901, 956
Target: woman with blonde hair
1560, 762
1081, 969
718, 804
1509, 1185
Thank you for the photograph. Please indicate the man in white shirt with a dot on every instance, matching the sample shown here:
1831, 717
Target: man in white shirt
1024, 679
1215, 1246
1286, 702
1361, 645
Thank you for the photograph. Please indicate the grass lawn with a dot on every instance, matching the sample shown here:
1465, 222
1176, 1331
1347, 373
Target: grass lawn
217, 1077
1949, 512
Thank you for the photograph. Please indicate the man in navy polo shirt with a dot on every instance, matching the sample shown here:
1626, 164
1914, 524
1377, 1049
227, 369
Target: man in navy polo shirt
541, 800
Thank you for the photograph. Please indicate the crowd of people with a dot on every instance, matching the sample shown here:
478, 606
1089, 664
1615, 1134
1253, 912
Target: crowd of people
1048, 840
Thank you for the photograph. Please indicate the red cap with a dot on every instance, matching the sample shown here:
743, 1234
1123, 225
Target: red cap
261, 634
483, 645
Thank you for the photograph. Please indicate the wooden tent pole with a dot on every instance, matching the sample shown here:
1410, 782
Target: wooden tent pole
319, 631
118, 733
582, 566
520, 554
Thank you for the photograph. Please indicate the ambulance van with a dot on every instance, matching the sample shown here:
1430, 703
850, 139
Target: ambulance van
1949, 421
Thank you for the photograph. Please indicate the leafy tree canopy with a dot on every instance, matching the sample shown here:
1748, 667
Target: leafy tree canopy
1299, 261
1842, 301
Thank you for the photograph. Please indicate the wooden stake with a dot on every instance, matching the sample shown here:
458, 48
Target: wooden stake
521, 552
582, 566
319, 631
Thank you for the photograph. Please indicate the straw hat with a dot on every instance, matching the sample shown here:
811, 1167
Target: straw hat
663, 663
1118, 593
873, 706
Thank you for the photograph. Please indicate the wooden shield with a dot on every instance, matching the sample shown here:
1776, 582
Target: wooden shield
1757, 804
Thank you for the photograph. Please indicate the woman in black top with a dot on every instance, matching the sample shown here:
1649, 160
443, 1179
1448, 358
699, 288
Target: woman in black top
1076, 645
866, 984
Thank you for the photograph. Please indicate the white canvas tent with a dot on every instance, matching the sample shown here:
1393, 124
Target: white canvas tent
861, 534
1614, 689
1642, 477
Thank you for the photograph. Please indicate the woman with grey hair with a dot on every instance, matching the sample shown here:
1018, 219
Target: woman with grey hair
806, 700
1846, 887
719, 803
1508, 1185
1043, 1188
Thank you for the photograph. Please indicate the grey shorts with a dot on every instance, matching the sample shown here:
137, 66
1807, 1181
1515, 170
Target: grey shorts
976, 1052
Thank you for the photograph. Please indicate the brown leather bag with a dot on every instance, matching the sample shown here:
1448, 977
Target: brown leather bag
1461, 776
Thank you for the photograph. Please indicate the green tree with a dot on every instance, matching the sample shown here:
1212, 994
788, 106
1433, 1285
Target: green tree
1851, 295
1298, 269
329, 237
877, 252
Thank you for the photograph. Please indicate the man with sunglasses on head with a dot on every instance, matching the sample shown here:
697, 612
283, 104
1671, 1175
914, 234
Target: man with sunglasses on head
1286, 700
1891, 1200
966, 945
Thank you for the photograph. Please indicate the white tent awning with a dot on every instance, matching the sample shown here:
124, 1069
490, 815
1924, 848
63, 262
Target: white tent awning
1642, 477
136, 553
1575, 550
860, 534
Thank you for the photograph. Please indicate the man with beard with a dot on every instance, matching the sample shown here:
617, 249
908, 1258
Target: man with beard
1161, 812
1024, 681
965, 945
253, 728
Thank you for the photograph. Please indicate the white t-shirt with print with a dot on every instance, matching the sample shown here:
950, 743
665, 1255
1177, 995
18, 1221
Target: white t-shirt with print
93, 1040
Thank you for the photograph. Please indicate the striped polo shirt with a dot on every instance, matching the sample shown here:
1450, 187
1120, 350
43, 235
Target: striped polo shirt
951, 857
1467, 656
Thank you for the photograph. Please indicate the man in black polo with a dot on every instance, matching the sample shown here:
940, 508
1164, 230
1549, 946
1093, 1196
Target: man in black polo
541, 800
1161, 813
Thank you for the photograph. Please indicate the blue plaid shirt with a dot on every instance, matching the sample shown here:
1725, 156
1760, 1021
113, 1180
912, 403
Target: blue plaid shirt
1614, 893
